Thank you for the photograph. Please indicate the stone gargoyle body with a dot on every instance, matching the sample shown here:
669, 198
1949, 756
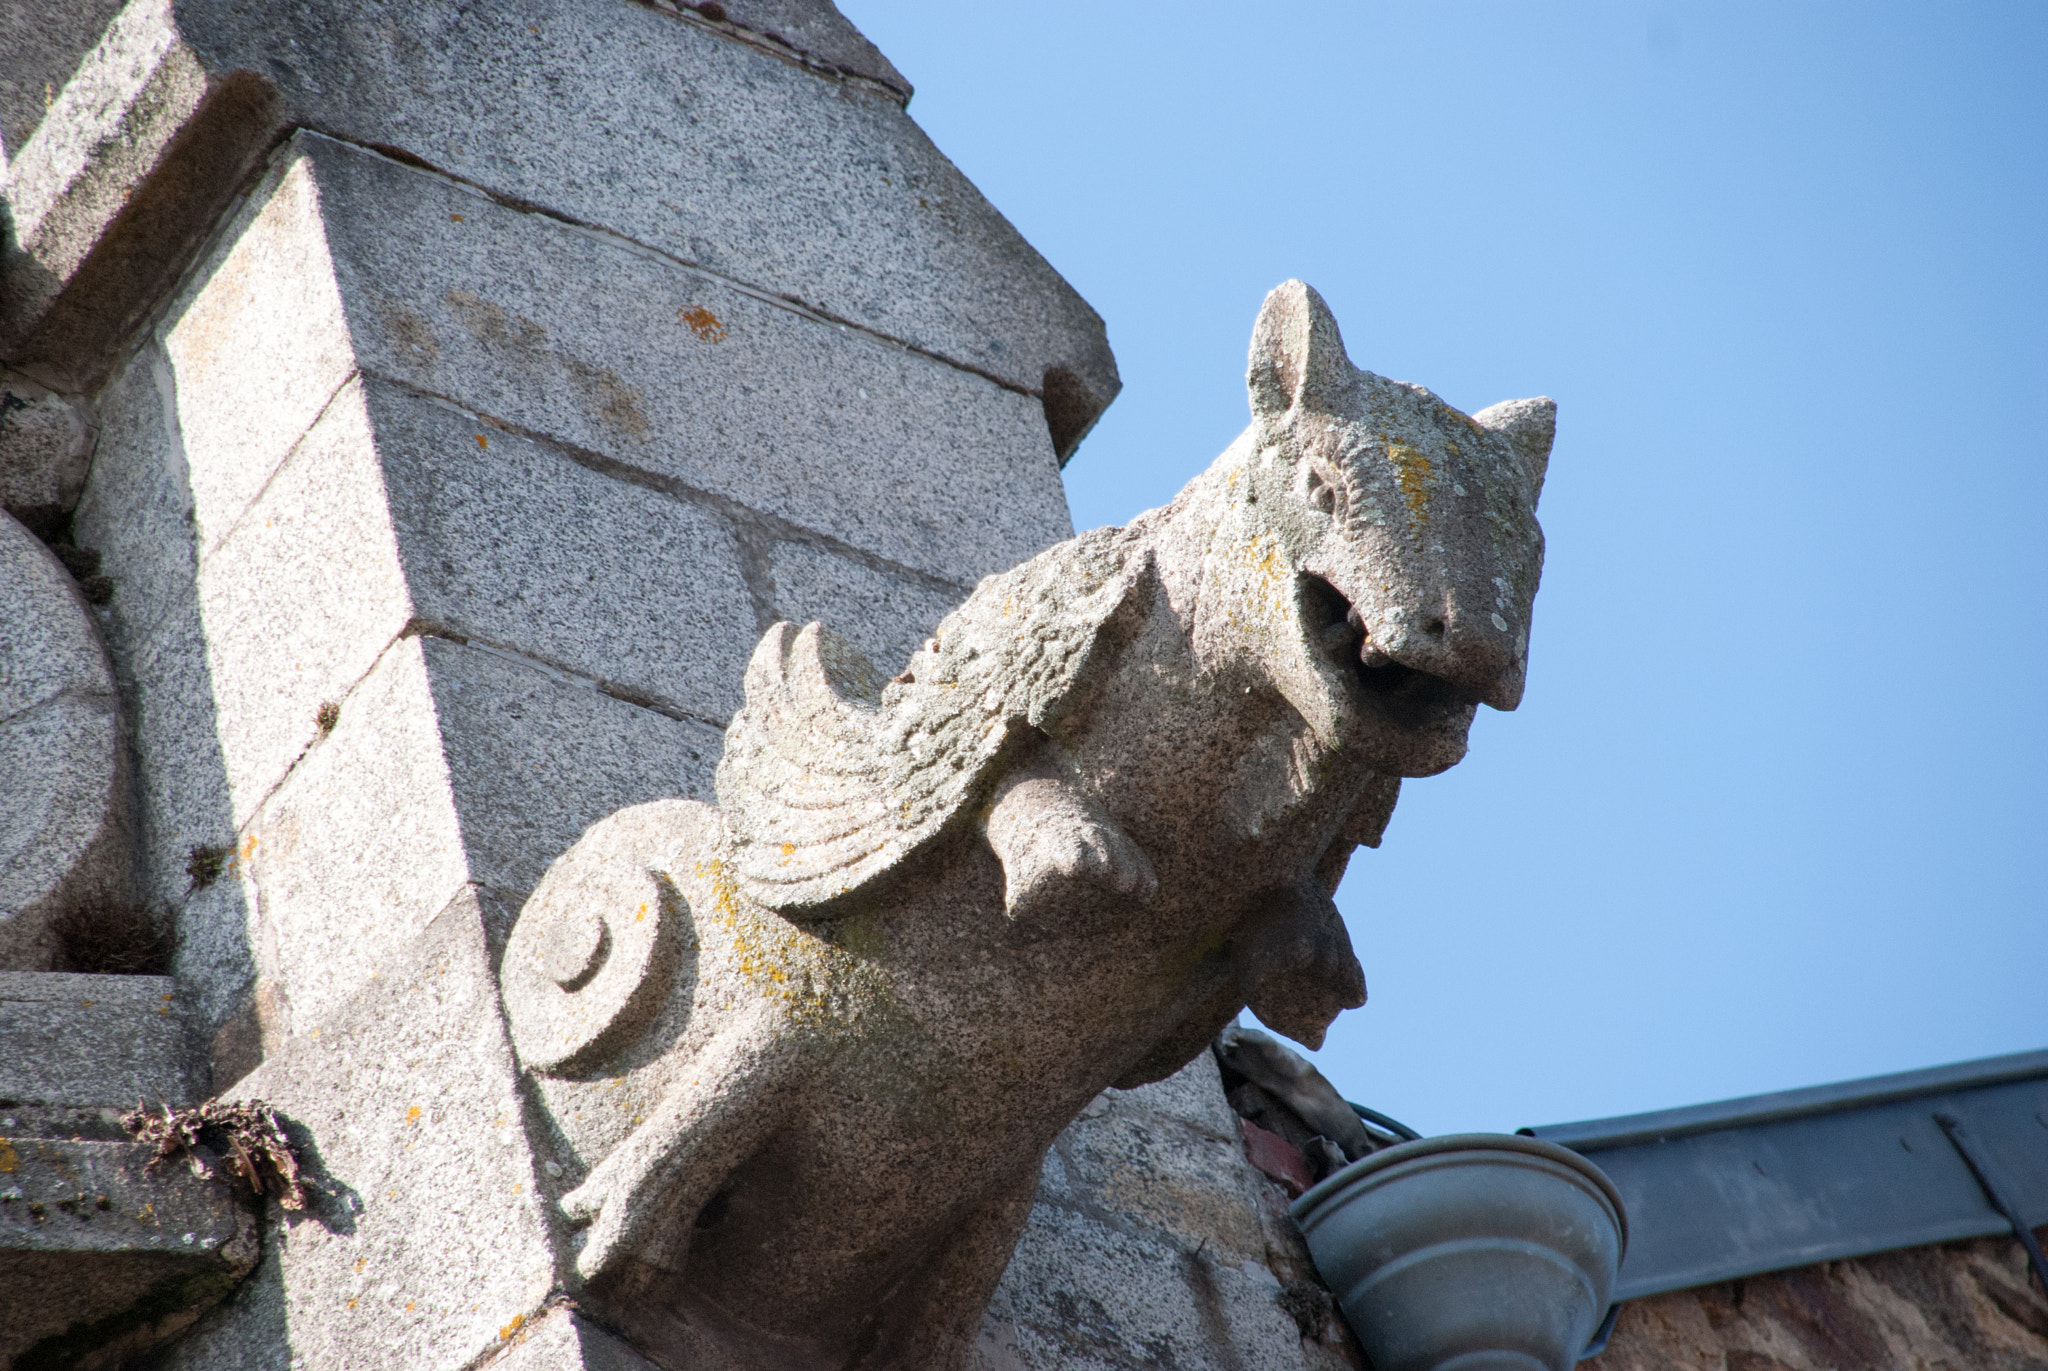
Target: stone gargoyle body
804, 1052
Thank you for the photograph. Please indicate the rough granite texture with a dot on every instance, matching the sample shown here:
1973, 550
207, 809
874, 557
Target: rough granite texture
819, 190
101, 1254
561, 1338
1152, 1242
45, 444
1966, 1306
426, 1239
112, 1255
806, 1052
887, 616
93, 1041
63, 827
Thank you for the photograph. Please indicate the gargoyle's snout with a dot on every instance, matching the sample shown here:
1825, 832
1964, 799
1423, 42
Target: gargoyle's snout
1432, 658
1480, 661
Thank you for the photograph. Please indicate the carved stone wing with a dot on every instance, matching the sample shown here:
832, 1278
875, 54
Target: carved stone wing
830, 778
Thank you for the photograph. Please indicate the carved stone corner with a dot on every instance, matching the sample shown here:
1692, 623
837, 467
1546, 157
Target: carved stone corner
101, 1257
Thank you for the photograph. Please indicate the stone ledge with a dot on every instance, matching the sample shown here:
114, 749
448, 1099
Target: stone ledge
118, 1257
93, 1041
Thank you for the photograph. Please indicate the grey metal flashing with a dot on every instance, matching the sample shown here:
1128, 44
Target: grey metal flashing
1741, 1187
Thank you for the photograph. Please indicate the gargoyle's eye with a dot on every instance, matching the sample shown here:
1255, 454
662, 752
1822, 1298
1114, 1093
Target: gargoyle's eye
1322, 496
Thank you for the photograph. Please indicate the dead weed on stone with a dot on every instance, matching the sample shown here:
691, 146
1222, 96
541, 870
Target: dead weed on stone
243, 1136
104, 935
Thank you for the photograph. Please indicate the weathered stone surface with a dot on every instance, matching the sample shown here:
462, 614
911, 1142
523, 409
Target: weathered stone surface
136, 509
426, 1240
136, 155
45, 445
617, 582
63, 831
1081, 1295
930, 921
674, 374
95, 1041
815, 31
101, 1257
1968, 1304
40, 47
802, 186
257, 345
885, 616
448, 764
1158, 1169
563, 1340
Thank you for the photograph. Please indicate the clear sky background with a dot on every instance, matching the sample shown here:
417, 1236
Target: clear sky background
1775, 809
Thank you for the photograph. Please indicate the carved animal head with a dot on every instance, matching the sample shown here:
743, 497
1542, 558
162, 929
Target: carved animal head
1377, 550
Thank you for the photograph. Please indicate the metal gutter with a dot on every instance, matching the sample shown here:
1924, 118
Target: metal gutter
1741, 1187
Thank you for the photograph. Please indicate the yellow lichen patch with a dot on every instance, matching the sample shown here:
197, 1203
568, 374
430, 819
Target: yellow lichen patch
412, 1116
518, 1322
8, 1158
1415, 474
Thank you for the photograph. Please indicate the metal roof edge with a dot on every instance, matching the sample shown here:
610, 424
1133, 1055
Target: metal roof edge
1626, 1130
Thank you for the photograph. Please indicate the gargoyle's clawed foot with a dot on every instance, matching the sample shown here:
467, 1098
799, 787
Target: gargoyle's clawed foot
608, 1218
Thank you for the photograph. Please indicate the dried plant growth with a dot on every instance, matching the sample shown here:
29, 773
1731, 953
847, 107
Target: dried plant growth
101, 934
245, 1137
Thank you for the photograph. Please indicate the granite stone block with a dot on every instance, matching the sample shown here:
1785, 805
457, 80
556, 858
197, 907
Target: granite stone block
425, 1240
137, 153
93, 1041
182, 798
258, 343
1079, 1294
1153, 1174
63, 826
360, 846
679, 377
136, 509
102, 1255
48, 646
46, 443
659, 128
40, 48
449, 763
534, 759
1192, 1096
504, 540
563, 1340
818, 34
300, 601
885, 616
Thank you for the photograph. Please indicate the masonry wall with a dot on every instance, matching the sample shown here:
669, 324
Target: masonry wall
1945, 1308
473, 385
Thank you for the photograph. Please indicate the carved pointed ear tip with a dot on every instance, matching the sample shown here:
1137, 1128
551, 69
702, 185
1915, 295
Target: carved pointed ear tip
1294, 294
1529, 424
1297, 351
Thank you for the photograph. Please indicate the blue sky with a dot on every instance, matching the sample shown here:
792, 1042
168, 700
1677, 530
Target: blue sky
1775, 809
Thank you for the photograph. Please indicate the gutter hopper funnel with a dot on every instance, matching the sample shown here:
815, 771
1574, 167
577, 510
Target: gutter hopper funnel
1468, 1252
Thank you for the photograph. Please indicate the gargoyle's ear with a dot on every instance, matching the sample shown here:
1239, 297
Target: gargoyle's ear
1530, 426
1297, 354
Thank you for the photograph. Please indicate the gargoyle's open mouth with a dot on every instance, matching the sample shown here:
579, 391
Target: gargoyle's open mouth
1338, 631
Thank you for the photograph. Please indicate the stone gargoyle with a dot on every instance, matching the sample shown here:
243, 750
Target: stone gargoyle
804, 1052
